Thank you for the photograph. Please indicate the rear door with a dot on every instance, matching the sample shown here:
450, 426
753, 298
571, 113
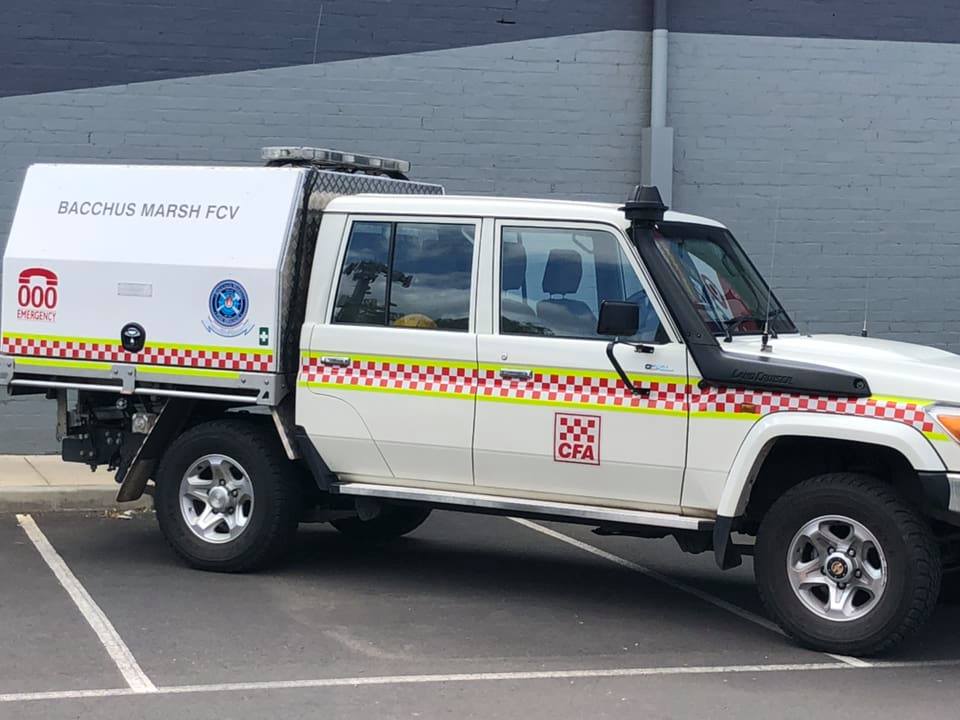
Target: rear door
553, 419
396, 359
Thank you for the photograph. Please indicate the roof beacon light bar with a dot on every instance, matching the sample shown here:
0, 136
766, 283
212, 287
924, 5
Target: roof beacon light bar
334, 159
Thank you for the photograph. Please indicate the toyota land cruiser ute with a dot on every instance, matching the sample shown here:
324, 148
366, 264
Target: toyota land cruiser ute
324, 340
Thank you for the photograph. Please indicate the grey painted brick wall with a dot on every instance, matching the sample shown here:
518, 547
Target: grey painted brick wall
919, 21
48, 45
555, 116
859, 144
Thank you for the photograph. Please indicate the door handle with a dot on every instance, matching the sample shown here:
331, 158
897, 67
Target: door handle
509, 374
337, 361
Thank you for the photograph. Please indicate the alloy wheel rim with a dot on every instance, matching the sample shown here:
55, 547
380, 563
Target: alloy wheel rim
216, 499
837, 568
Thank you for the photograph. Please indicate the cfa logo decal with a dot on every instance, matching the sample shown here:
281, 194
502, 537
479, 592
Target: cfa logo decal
576, 438
38, 295
228, 306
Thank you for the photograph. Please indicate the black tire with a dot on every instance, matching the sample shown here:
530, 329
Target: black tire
393, 521
274, 514
912, 557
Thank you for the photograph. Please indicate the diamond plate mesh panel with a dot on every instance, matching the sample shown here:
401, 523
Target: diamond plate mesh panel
323, 186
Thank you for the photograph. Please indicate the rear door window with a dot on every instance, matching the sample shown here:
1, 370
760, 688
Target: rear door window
407, 275
362, 295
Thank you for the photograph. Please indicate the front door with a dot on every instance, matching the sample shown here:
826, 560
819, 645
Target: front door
391, 371
553, 419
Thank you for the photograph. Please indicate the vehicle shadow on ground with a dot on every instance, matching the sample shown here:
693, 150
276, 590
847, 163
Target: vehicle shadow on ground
503, 570
540, 576
461, 568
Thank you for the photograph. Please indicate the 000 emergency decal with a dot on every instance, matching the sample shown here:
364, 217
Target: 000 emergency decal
576, 438
38, 295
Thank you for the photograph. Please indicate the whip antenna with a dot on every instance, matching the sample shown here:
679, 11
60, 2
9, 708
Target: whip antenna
765, 338
866, 307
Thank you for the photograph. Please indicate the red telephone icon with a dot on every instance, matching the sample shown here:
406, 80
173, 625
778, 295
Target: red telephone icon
38, 295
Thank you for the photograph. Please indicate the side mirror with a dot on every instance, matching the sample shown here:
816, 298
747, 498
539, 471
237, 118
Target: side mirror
621, 319
618, 319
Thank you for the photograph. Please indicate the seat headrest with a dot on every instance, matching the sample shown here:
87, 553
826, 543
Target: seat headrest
563, 272
514, 264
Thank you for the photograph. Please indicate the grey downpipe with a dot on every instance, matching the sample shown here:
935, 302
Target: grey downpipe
657, 138
658, 65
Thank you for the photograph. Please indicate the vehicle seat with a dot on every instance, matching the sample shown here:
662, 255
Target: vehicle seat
565, 316
513, 276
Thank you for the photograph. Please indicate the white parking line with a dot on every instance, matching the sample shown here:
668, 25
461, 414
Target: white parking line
120, 654
677, 585
850, 660
367, 681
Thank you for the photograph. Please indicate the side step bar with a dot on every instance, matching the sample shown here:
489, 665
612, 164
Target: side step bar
495, 504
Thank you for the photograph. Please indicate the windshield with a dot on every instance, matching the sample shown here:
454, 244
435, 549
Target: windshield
720, 280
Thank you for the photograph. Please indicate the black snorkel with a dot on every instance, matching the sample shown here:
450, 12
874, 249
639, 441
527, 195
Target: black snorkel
646, 211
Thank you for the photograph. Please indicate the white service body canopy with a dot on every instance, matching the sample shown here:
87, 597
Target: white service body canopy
191, 254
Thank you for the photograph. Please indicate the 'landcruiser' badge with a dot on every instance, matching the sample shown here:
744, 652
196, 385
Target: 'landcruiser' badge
576, 438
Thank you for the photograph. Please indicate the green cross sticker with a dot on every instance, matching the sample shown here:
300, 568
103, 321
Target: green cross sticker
264, 336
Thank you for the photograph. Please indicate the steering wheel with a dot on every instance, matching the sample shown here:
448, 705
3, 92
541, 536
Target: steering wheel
758, 321
738, 322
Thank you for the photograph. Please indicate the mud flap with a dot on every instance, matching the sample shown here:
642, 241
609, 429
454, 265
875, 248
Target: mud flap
725, 552
168, 425
321, 473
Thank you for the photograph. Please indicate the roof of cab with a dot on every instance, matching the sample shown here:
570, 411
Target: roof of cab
500, 207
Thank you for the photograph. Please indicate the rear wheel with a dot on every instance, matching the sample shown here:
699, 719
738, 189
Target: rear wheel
845, 565
393, 521
227, 498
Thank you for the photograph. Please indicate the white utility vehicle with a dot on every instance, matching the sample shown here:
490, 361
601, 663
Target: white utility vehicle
322, 339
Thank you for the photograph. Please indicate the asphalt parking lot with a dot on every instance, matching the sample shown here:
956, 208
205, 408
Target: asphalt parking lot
468, 617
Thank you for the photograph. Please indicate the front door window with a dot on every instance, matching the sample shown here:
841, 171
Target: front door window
553, 281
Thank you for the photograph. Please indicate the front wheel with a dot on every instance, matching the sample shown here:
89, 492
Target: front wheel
845, 565
227, 498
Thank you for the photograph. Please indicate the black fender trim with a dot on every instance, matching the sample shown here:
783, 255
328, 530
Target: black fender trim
938, 496
322, 475
726, 553
935, 489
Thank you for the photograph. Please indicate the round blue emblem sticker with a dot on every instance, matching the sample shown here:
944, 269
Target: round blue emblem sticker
228, 303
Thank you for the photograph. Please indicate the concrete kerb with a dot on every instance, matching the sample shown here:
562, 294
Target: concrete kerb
34, 499
43, 483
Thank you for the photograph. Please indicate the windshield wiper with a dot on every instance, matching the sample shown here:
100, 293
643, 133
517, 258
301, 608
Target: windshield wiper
717, 318
759, 319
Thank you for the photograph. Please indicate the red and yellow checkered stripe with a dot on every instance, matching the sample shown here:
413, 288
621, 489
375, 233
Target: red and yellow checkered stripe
757, 403
564, 387
158, 354
398, 375
575, 387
